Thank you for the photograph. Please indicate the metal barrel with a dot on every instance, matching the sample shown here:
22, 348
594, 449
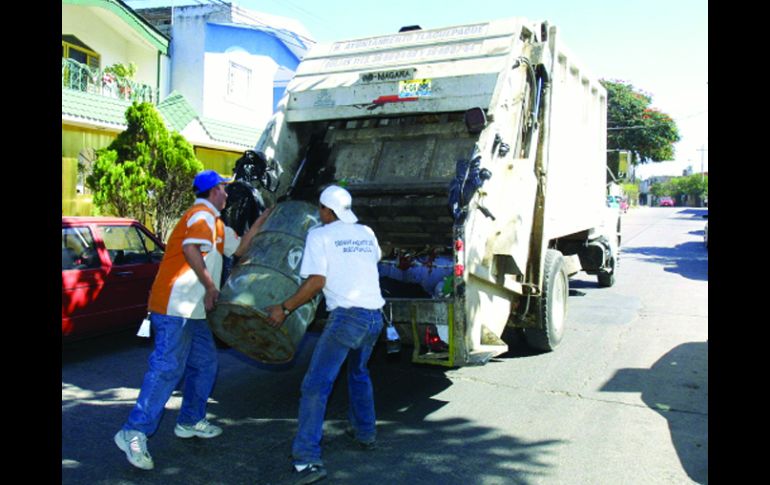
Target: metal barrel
266, 275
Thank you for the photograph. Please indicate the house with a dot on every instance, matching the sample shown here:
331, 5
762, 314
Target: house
97, 35
232, 64
217, 106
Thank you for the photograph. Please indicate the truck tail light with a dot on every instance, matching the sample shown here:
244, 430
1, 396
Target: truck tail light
459, 257
433, 341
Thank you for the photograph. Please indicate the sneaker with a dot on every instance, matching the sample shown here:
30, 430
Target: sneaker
201, 429
134, 444
364, 445
310, 474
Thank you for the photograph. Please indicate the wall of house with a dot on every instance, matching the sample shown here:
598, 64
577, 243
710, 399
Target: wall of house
252, 51
74, 140
112, 46
221, 161
186, 51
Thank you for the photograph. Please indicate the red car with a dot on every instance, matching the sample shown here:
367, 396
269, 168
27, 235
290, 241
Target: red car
108, 266
666, 202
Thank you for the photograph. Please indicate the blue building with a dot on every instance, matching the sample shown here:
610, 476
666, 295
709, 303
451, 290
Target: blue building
230, 63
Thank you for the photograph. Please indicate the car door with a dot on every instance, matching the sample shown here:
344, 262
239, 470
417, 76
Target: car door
84, 270
134, 257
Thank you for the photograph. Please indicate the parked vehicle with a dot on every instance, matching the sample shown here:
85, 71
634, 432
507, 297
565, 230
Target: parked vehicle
666, 202
477, 154
617, 202
108, 267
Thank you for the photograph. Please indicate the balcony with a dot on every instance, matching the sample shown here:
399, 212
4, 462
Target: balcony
80, 77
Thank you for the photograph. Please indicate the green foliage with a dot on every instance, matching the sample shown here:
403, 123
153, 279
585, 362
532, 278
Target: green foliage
632, 192
695, 186
146, 172
122, 70
633, 125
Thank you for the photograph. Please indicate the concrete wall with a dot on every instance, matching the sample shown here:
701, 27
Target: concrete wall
187, 53
256, 57
208, 51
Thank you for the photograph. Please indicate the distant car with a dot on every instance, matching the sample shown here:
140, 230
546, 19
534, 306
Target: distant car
108, 267
666, 202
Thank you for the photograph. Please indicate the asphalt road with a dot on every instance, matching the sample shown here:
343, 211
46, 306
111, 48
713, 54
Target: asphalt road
624, 399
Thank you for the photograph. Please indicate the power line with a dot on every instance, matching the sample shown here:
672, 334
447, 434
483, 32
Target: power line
270, 29
623, 128
302, 10
619, 128
290, 37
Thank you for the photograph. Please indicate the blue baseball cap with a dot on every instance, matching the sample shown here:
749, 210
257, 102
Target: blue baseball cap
208, 179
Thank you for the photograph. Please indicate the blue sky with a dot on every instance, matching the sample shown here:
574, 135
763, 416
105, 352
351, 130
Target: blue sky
659, 46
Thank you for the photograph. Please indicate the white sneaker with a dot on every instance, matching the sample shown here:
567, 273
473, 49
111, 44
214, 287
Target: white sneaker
201, 429
134, 444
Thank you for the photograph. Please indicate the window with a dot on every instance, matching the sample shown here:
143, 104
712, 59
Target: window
73, 48
78, 250
238, 83
86, 159
156, 252
124, 245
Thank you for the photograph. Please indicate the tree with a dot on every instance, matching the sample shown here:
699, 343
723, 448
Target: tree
633, 125
694, 186
146, 172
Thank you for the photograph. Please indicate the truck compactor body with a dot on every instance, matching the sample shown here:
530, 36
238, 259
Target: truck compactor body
477, 154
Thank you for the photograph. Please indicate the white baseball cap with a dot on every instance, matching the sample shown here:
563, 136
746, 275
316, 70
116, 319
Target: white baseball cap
339, 200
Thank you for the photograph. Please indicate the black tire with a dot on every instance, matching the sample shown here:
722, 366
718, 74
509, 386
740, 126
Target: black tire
607, 278
551, 306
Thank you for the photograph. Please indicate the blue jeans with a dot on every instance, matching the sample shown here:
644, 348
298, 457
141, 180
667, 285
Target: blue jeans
350, 333
184, 347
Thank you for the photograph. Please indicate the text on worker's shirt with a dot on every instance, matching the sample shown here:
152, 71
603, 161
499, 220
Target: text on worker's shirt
355, 246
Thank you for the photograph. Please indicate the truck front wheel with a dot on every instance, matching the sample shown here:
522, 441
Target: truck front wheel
607, 278
551, 305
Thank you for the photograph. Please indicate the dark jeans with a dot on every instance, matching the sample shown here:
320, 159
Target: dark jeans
350, 333
184, 347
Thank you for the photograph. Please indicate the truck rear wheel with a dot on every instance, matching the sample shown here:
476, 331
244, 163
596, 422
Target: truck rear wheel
551, 306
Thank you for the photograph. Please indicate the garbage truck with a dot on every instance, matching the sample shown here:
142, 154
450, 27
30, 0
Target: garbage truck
476, 153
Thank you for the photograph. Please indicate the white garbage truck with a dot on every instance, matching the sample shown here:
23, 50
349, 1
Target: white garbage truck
477, 154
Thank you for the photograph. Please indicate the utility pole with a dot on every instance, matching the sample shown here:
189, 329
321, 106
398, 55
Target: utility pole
702, 150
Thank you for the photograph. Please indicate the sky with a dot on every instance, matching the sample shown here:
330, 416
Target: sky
658, 46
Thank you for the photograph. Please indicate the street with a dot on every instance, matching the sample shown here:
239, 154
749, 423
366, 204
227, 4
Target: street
624, 399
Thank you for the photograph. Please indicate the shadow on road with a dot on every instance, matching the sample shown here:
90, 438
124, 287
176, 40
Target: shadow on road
694, 212
676, 386
689, 259
258, 409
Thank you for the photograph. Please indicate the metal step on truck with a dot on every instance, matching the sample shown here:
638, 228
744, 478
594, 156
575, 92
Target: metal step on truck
477, 154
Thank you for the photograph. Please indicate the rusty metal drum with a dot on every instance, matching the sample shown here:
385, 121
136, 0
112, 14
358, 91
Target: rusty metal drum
266, 275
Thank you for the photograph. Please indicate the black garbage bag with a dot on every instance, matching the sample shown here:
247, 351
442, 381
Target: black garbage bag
467, 181
244, 205
253, 167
